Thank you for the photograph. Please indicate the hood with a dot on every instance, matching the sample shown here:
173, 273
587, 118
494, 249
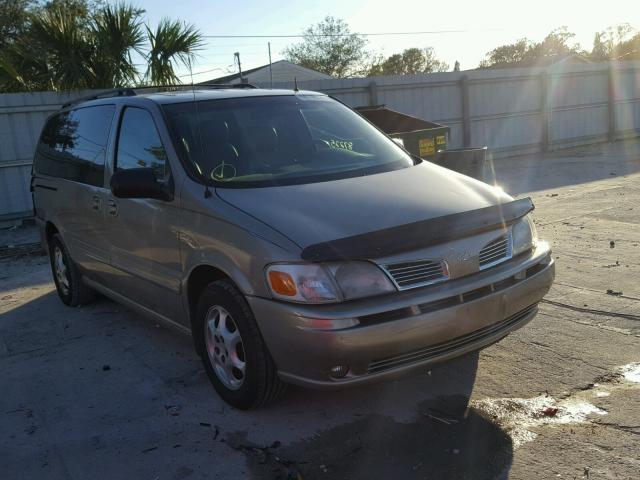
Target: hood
321, 212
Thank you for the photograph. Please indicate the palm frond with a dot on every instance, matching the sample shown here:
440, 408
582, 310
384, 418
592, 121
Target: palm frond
60, 34
116, 30
171, 42
10, 78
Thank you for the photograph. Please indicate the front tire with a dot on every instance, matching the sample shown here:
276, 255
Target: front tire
66, 275
233, 352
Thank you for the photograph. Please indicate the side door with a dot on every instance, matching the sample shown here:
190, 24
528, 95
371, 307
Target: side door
142, 232
72, 150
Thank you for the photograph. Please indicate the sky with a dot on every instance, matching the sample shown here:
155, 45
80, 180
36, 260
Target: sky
475, 27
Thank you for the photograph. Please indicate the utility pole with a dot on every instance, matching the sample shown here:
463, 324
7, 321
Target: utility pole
270, 70
237, 57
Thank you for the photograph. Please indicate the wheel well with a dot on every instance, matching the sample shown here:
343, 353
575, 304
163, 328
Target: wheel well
199, 278
50, 231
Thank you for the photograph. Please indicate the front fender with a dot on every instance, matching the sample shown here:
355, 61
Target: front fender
236, 252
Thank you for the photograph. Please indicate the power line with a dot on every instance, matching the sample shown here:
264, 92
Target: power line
375, 34
230, 54
241, 44
200, 73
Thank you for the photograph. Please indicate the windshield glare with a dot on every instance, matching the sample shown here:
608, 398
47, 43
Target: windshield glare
260, 141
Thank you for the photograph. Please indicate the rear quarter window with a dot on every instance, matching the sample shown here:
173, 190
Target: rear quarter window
73, 145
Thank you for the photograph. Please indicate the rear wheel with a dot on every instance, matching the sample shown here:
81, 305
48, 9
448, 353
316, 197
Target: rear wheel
234, 355
71, 289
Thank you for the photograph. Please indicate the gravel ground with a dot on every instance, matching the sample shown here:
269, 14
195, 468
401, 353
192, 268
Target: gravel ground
99, 392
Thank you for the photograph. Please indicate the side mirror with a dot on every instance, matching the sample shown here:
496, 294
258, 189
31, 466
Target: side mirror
139, 183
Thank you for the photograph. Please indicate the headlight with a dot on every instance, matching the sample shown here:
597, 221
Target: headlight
360, 279
328, 283
524, 235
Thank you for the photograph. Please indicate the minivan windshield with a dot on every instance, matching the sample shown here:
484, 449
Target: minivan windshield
279, 140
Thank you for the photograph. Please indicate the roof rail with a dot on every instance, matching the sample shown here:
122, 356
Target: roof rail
131, 91
117, 92
227, 85
199, 85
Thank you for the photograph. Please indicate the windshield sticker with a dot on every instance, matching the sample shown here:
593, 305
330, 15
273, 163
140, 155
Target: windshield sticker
343, 145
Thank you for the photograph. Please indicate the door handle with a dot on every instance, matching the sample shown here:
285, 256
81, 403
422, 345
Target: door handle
113, 207
95, 202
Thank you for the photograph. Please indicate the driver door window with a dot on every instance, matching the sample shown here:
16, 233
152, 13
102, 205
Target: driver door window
139, 144
145, 251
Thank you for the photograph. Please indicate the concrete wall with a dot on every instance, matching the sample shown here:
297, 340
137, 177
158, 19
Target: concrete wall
513, 111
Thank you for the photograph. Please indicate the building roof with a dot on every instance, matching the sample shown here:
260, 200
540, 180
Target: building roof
283, 71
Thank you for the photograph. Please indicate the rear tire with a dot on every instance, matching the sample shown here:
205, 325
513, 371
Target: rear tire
66, 275
233, 352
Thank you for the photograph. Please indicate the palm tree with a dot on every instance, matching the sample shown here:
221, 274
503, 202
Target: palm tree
116, 31
65, 49
171, 41
58, 37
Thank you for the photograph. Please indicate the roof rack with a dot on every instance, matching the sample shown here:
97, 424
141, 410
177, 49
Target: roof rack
224, 85
117, 92
132, 91
195, 85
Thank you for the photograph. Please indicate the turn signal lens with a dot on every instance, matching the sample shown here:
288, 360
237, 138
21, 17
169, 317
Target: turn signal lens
304, 283
327, 283
282, 283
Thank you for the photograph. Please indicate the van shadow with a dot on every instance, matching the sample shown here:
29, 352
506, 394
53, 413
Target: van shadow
419, 427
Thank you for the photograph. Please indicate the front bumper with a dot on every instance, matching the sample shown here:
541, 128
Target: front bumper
386, 337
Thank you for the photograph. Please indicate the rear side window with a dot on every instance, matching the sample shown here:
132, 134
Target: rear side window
139, 144
73, 145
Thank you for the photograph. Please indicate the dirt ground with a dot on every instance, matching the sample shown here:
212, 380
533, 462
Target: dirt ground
98, 392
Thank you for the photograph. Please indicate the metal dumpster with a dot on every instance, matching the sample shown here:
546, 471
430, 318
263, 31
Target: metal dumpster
420, 137
468, 161
427, 140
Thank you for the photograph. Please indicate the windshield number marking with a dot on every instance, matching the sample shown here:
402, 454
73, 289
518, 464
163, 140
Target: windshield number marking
341, 144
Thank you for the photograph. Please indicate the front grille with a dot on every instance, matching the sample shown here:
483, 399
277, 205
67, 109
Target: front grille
417, 274
458, 343
496, 252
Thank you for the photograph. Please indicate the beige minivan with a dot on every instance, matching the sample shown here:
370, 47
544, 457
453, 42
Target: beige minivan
290, 237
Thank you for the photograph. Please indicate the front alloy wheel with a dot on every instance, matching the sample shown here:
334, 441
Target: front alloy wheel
224, 347
233, 353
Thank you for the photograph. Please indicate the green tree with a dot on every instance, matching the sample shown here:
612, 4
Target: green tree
172, 41
558, 44
74, 44
600, 51
629, 49
14, 19
62, 40
616, 43
116, 32
330, 47
510, 54
410, 61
